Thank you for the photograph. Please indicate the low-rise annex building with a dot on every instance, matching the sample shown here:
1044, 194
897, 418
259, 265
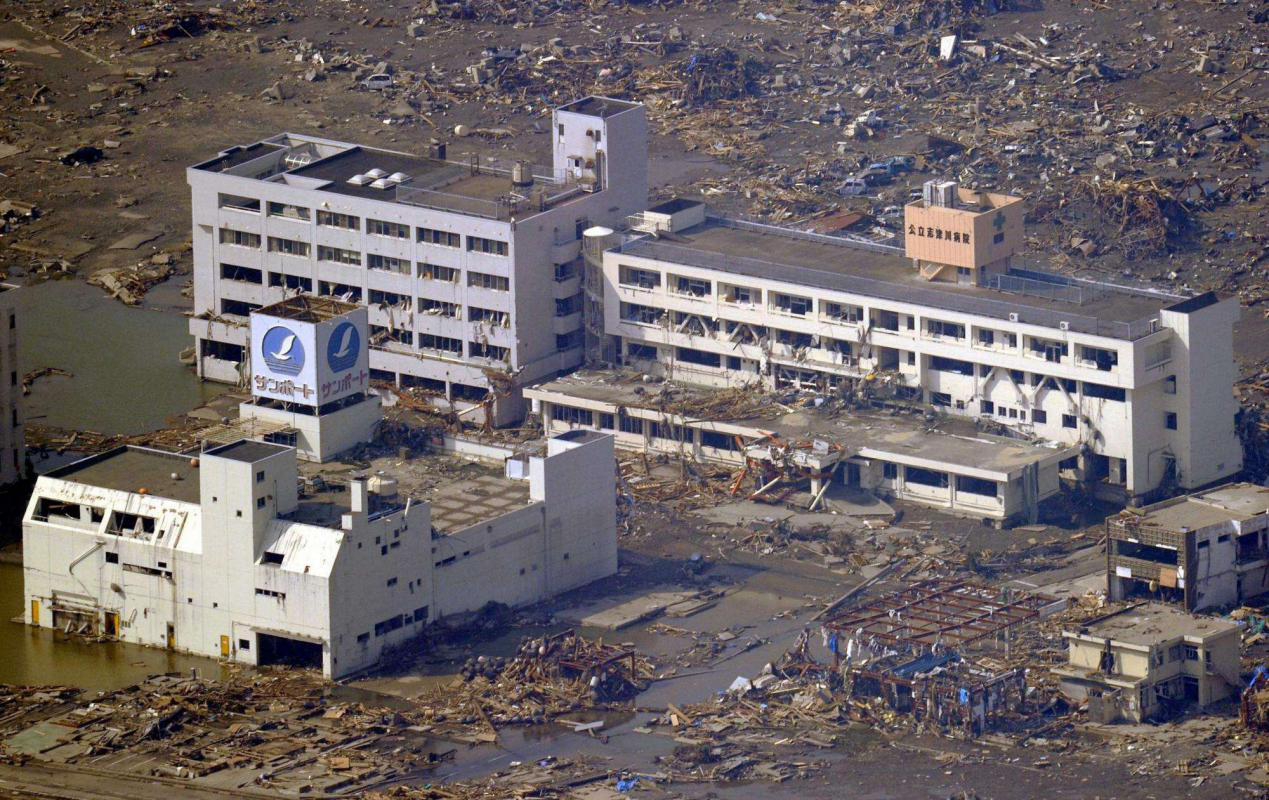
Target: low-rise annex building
1150, 660
1202, 551
1139, 380
229, 553
945, 462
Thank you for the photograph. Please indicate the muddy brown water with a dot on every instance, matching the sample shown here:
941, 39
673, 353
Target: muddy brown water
127, 377
40, 656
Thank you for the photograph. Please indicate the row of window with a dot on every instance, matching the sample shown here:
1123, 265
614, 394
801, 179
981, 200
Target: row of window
799, 305
374, 227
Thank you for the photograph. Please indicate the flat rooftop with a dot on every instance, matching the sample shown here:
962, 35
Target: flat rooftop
246, 451
597, 106
1234, 502
133, 469
304, 308
462, 493
840, 264
472, 183
947, 439
1152, 623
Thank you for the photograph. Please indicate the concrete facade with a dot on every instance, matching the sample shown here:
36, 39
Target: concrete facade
12, 442
1203, 551
222, 555
468, 266
951, 466
1140, 381
1149, 661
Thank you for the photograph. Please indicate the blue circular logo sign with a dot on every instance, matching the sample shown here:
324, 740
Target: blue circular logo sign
343, 347
283, 351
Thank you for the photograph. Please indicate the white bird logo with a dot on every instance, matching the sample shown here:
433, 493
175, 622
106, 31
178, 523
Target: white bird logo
345, 344
284, 352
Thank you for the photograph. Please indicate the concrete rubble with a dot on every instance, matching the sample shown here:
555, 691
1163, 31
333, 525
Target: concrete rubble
1137, 132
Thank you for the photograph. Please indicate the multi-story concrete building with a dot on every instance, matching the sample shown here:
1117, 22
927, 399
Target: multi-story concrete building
1148, 661
1202, 551
12, 443
469, 266
1139, 380
229, 554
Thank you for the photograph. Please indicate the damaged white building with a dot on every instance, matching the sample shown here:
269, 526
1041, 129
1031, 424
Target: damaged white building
1137, 383
228, 553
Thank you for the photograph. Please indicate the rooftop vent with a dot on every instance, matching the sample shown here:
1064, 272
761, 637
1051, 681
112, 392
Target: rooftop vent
376, 173
521, 174
359, 180
942, 194
296, 160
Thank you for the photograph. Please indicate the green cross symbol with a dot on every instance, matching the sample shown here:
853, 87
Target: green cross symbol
999, 221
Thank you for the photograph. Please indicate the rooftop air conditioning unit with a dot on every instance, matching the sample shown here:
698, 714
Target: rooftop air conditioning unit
1013, 316
1063, 325
376, 173
359, 180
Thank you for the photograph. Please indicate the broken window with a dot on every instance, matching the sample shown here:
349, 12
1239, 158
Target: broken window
952, 365
492, 316
440, 308
642, 315
343, 291
47, 507
719, 441
434, 272
490, 351
644, 351
1104, 392
792, 304
843, 312
925, 477
641, 278
1047, 349
233, 272
1099, 357
378, 297
444, 344
238, 203
294, 282
986, 488
701, 357
692, 287
944, 330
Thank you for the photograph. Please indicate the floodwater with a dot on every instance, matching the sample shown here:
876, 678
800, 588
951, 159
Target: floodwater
127, 378
39, 656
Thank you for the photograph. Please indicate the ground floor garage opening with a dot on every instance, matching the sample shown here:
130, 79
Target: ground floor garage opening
292, 652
